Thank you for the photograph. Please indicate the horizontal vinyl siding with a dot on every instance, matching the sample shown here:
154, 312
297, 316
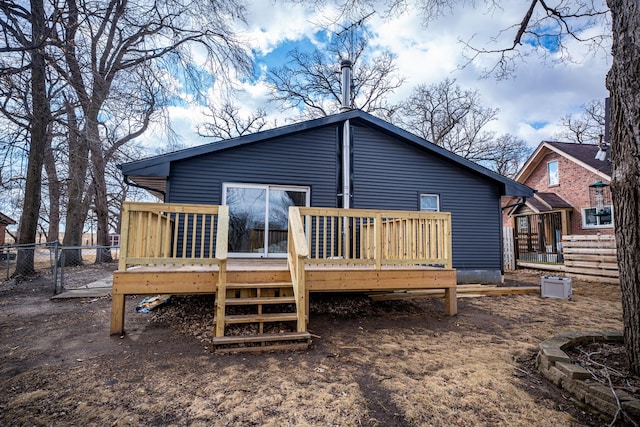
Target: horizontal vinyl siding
390, 174
304, 159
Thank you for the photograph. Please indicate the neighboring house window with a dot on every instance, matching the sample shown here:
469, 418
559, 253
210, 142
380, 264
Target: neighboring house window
591, 220
523, 224
552, 169
429, 202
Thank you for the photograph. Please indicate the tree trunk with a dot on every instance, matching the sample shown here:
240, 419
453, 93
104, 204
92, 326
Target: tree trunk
54, 192
39, 124
76, 208
100, 200
623, 83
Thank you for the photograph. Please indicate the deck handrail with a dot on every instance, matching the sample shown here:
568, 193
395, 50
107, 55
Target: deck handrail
166, 233
377, 237
298, 251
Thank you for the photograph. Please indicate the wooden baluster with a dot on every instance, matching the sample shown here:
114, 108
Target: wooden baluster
176, 228
212, 236
339, 234
185, 219
157, 251
333, 237
147, 237
194, 219
316, 221
324, 237
203, 227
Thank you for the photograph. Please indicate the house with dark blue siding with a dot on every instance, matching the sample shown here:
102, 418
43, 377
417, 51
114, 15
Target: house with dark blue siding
346, 160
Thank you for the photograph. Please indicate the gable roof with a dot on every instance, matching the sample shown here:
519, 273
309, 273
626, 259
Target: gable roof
152, 173
5, 219
553, 201
542, 202
582, 154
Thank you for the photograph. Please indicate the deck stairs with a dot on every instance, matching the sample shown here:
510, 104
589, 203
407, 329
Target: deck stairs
258, 317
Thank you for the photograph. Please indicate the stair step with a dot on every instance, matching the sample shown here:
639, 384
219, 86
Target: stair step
260, 300
239, 339
265, 285
296, 346
262, 343
253, 318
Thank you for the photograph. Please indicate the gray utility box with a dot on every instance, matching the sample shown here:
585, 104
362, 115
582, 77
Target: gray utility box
555, 287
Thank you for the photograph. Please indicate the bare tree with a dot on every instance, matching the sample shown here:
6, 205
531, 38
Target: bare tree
311, 80
507, 154
119, 189
570, 19
585, 127
622, 82
115, 50
448, 116
24, 30
226, 122
455, 119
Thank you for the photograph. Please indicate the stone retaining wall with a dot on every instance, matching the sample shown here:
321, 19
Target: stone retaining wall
556, 366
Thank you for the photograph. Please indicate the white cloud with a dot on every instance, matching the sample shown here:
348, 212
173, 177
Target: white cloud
539, 93
270, 23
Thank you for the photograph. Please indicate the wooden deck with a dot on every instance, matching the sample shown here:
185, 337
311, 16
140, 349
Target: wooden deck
330, 250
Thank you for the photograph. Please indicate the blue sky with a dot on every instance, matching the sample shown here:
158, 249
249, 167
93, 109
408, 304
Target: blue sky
530, 105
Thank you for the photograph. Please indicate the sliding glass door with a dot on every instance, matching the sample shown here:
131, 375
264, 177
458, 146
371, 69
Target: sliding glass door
259, 217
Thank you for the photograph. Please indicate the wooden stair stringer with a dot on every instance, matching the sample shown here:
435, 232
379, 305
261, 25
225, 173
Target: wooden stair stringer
258, 295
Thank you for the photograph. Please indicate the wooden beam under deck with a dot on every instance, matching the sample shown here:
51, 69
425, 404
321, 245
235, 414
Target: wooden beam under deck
202, 279
182, 279
336, 279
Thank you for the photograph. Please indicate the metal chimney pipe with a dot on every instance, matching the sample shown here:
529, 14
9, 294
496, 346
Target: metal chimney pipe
345, 68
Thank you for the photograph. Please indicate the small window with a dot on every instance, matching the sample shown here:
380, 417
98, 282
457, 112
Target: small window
591, 220
523, 224
429, 202
552, 169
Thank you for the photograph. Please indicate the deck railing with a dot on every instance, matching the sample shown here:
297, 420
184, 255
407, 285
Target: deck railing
168, 234
358, 237
298, 251
374, 237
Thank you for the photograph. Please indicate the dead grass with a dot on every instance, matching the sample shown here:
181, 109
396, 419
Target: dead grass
375, 364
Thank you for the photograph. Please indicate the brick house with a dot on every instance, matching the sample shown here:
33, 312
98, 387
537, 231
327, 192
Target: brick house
561, 173
4, 221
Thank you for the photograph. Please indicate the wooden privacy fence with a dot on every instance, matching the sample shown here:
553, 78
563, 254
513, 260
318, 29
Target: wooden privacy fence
508, 245
166, 234
591, 258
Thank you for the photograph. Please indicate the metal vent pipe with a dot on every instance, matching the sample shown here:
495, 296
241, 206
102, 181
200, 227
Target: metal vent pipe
345, 68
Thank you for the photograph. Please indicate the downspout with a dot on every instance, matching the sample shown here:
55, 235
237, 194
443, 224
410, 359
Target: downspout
345, 68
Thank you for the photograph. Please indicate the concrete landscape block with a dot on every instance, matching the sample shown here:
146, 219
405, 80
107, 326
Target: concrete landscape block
573, 371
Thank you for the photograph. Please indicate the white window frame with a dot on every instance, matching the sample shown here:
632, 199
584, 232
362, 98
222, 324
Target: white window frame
583, 212
437, 196
549, 173
267, 188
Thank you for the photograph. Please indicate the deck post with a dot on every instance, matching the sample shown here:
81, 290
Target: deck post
306, 308
221, 297
117, 314
448, 243
377, 240
222, 244
124, 237
450, 301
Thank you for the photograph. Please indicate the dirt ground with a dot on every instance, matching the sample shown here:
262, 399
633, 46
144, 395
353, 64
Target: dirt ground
399, 363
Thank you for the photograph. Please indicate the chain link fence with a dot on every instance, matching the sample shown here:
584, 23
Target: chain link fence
68, 267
